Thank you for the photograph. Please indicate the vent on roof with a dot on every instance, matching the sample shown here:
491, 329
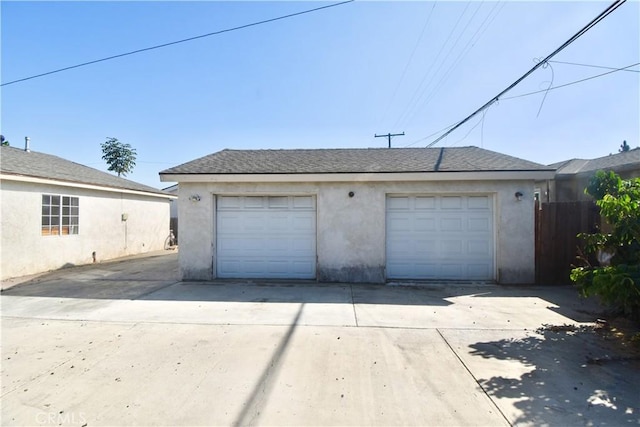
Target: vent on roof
26, 144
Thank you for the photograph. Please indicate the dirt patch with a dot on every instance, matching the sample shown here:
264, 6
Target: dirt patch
618, 334
623, 333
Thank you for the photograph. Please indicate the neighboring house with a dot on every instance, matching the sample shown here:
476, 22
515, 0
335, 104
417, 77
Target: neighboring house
56, 213
358, 215
572, 176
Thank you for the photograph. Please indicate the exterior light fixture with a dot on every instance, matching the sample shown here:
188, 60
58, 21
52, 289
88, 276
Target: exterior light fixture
351, 194
518, 196
194, 198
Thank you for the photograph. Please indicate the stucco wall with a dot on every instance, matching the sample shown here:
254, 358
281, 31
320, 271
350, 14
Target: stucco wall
196, 232
351, 230
25, 250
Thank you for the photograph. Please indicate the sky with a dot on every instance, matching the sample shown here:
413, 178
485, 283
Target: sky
329, 79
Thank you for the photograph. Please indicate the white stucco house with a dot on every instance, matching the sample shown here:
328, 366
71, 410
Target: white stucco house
358, 215
56, 213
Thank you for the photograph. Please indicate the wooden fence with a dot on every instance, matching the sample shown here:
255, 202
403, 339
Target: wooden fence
557, 245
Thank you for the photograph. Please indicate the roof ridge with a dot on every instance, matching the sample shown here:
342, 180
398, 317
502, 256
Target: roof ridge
621, 153
344, 149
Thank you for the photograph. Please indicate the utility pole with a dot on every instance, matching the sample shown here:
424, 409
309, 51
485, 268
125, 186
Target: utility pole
389, 135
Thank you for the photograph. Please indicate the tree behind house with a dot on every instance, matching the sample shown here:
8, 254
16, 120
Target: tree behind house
624, 147
120, 157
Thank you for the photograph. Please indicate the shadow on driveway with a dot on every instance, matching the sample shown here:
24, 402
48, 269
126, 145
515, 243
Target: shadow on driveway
156, 278
573, 377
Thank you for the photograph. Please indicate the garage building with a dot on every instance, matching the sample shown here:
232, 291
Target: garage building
358, 215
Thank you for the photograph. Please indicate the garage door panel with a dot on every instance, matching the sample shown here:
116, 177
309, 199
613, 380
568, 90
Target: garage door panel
239, 246
478, 271
303, 202
440, 237
408, 270
303, 267
263, 246
303, 222
451, 271
302, 245
424, 246
398, 203
478, 248
399, 223
281, 202
228, 266
425, 203
255, 202
253, 226
229, 221
400, 247
224, 202
479, 224
428, 270
451, 224
277, 223
236, 222
451, 248
478, 202
254, 266
278, 267
266, 237
451, 202
281, 246
422, 224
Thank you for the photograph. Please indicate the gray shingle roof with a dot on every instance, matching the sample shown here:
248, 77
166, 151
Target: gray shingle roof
618, 161
354, 160
15, 161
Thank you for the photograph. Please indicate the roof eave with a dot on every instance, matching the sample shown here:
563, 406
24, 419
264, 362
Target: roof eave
62, 183
588, 173
537, 174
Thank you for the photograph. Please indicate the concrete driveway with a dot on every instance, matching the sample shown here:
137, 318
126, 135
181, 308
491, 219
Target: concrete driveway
126, 343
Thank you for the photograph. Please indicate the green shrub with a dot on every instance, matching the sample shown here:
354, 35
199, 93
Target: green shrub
617, 284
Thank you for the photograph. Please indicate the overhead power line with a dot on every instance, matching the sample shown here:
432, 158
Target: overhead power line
470, 44
616, 4
595, 66
414, 97
430, 135
215, 33
419, 102
406, 67
614, 70
574, 82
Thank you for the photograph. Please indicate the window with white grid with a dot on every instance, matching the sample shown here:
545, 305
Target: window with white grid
60, 215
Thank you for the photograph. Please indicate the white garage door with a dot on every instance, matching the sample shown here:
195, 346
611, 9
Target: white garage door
266, 237
440, 237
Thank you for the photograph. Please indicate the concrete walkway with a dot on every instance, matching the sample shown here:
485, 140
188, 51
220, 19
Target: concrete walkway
126, 343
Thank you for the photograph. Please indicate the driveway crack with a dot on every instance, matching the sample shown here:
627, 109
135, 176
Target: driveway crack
353, 305
473, 376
